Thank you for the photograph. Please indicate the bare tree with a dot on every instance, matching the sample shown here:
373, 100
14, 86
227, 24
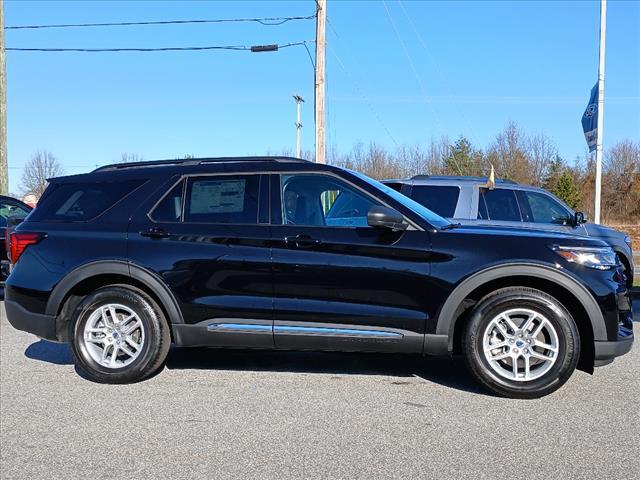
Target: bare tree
42, 166
542, 152
130, 157
508, 154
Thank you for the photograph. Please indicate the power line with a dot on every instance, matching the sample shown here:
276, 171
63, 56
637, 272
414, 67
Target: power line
419, 79
157, 49
357, 86
267, 21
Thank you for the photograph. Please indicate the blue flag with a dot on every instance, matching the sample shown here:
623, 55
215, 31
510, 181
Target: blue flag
590, 120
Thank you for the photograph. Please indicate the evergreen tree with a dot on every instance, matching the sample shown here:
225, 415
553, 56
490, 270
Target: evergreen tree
463, 159
565, 188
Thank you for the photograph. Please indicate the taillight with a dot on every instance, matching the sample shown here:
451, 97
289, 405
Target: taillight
20, 241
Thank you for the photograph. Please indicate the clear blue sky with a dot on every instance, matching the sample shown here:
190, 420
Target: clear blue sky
479, 65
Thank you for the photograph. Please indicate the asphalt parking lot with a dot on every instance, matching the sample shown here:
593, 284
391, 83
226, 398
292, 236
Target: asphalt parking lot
223, 414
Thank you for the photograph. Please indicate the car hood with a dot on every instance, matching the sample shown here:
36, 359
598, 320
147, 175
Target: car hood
595, 230
523, 233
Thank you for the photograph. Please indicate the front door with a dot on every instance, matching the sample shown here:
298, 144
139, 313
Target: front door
208, 238
338, 283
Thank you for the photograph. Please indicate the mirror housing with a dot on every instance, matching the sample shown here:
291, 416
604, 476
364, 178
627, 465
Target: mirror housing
579, 218
385, 217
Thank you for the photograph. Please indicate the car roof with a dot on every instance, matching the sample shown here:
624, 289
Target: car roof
457, 179
169, 167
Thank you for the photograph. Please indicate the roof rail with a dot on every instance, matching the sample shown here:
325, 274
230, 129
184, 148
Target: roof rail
197, 161
460, 177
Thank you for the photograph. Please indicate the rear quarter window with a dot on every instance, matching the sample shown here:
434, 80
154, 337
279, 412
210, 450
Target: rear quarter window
439, 199
82, 201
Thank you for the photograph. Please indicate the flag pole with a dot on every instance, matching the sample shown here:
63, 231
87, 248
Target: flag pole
603, 35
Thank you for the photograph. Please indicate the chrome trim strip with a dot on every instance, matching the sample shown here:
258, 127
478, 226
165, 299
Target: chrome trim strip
334, 331
216, 327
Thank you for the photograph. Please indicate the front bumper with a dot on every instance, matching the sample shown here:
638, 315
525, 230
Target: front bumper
44, 326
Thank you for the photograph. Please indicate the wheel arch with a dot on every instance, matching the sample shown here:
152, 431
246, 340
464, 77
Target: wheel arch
561, 286
89, 277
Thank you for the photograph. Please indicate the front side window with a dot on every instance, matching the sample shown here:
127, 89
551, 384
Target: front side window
545, 209
222, 199
440, 199
322, 200
499, 204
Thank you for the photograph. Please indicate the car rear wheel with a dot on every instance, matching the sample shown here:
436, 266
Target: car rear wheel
521, 343
119, 335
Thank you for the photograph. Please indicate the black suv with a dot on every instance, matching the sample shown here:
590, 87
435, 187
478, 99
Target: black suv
283, 253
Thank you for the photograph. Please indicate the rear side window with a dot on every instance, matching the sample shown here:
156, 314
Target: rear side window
222, 199
439, 199
498, 204
78, 202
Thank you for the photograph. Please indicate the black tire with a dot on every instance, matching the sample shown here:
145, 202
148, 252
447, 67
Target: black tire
507, 299
157, 339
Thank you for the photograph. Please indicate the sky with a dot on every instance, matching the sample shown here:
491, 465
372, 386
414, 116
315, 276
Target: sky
398, 72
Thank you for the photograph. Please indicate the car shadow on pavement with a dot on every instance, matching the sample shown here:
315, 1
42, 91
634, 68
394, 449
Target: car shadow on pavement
450, 371
447, 371
51, 352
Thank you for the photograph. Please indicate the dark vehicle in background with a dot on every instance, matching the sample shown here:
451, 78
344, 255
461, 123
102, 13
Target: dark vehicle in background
469, 201
12, 211
281, 253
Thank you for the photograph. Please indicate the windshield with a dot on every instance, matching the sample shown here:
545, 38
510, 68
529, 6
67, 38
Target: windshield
433, 218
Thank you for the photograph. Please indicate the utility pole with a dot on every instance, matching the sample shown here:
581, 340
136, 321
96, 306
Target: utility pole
4, 171
603, 37
321, 22
299, 101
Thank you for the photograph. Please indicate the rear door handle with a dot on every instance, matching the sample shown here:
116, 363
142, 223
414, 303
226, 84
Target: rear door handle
155, 232
302, 241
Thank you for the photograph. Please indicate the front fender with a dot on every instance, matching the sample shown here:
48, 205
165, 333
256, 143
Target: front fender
447, 318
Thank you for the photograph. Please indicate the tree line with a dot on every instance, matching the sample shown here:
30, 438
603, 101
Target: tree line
514, 154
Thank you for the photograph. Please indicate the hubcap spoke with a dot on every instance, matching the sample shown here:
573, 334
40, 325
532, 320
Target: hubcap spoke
509, 321
127, 329
546, 346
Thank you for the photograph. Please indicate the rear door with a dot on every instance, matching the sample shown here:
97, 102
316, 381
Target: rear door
207, 237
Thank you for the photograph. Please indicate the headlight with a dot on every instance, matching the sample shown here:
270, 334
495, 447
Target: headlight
600, 258
627, 240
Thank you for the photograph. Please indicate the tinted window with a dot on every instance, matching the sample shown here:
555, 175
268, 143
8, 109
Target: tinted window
545, 209
11, 210
223, 199
72, 202
170, 207
439, 199
501, 204
321, 200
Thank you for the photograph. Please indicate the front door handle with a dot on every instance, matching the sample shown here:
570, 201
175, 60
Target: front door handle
155, 232
302, 241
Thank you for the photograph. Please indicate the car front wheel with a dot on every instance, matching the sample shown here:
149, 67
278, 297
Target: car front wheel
521, 343
119, 335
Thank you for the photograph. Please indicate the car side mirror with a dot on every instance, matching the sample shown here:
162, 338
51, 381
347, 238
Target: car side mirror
385, 217
579, 218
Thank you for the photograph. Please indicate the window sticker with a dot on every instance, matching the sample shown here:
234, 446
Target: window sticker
217, 196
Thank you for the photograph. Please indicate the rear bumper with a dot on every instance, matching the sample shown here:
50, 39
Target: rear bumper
44, 326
